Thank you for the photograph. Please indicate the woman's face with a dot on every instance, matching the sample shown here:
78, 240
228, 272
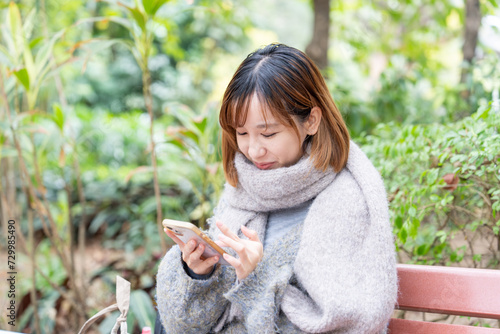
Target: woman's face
270, 144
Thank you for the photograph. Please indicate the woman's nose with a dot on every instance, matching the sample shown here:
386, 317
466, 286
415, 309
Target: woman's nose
256, 150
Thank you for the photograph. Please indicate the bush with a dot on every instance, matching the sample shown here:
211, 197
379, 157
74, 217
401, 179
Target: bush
443, 184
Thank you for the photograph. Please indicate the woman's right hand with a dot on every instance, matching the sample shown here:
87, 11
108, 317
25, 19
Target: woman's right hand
191, 254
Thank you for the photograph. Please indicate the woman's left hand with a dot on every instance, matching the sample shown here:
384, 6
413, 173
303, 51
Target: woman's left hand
250, 251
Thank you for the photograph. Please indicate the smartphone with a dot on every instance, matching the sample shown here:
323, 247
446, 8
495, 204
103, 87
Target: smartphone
187, 231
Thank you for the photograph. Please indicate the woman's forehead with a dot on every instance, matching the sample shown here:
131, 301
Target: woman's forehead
260, 112
256, 114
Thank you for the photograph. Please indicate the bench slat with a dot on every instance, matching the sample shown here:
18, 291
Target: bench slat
402, 326
448, 290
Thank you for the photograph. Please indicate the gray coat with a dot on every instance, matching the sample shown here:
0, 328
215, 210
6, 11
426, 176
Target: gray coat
335, 273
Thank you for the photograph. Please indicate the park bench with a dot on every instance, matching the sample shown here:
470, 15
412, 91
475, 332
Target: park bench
446, 290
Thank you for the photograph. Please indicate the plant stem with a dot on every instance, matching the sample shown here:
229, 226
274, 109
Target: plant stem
7, 177
83, 223
81, 197
34, 300
56, 287
40, 206
148, 100
31, 253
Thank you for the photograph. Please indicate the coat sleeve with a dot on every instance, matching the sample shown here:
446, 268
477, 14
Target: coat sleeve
345, 267
188, 305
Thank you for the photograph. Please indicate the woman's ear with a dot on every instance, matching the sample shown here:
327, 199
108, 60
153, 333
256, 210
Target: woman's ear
312, 123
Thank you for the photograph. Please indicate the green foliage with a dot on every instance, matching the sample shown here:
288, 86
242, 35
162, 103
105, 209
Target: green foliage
186, 43
29, 69
52, 267
142, 308
197, 140
443, 182
402, 62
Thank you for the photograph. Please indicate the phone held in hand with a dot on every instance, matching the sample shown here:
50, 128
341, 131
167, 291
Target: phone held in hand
187, 231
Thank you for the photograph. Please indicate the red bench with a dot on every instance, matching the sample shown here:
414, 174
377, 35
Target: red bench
447, 290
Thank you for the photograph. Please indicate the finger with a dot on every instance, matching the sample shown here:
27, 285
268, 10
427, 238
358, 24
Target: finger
234, 262
196, 254
237, 246
221, 243
211, 261
226, 231
250, 234
174, 238
188, 249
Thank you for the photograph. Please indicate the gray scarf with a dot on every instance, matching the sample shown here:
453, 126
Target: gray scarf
262, 191
345, 263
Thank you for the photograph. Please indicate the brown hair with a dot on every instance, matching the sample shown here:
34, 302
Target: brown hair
287, 83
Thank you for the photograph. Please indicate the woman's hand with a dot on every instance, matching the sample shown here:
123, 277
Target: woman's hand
250, 251
191, 254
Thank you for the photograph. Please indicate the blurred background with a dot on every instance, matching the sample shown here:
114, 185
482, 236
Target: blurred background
109, 123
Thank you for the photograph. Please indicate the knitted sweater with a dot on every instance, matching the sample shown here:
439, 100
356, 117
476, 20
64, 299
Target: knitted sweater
335, 273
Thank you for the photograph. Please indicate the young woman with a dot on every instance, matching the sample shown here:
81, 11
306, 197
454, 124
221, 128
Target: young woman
303, 215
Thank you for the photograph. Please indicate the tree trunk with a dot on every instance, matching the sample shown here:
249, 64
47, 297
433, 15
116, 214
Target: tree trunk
318, 47
472, 24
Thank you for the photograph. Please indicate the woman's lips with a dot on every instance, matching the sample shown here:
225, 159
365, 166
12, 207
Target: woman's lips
264, 165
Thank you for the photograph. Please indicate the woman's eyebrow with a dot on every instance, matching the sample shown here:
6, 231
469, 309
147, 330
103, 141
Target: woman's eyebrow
267, 125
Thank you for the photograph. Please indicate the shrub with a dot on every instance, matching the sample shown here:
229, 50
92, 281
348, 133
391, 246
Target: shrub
443, 183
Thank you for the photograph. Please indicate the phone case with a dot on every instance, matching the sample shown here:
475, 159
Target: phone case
187, 231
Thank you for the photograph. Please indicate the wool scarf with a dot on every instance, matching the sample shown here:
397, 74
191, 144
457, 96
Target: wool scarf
345, 263
262, 191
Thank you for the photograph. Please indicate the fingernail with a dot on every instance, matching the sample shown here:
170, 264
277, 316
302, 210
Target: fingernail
216, 259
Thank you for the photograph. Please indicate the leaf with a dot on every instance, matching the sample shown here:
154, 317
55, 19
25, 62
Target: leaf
442, 236
16, 28
152, 6
23, 77
142, 307
414, 228
35, 42
58, 117
432, 176
423, 249
201, 123
99, 220
412, 211
399, 222
138, 16
403, 235
45, 51
28, 24
190, 134
178, 143
116, 19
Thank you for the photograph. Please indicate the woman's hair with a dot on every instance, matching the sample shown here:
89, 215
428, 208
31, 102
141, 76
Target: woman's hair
287, 84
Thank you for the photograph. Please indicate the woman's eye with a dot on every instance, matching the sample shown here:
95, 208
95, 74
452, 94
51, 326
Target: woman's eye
241, 133
269, 135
